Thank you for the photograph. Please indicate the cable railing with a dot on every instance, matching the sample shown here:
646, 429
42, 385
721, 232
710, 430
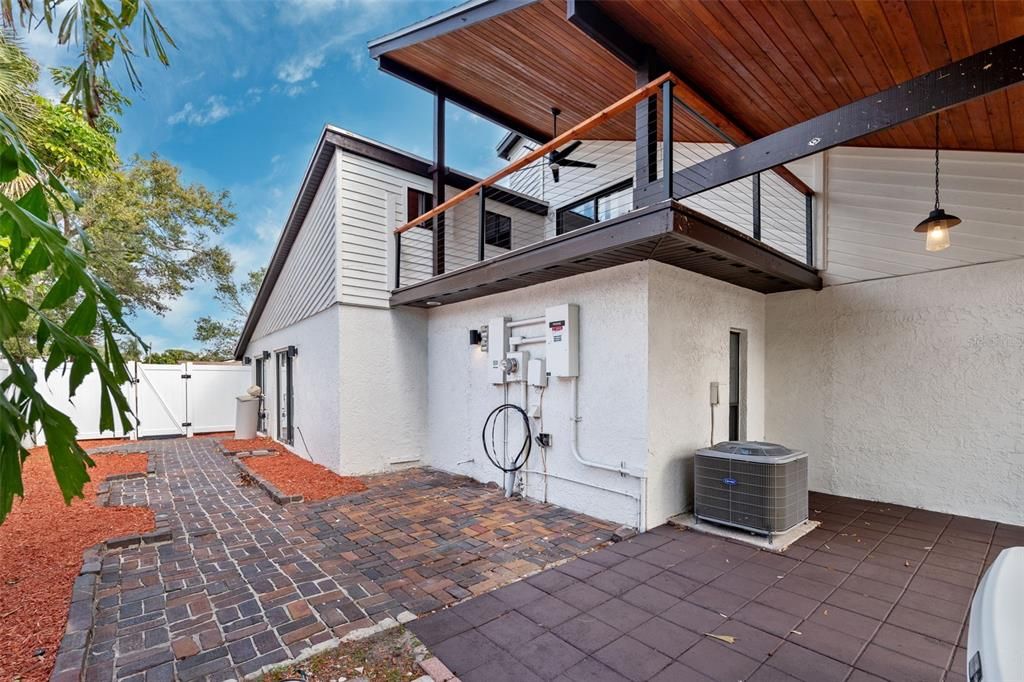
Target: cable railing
594, 171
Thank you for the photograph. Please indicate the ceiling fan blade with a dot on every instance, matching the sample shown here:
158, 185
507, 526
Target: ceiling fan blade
573, 146
554, 173
577, 164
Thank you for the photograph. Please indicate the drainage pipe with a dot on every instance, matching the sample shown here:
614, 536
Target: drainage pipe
640, 475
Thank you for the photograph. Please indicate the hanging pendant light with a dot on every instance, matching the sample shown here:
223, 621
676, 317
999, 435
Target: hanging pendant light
936, 226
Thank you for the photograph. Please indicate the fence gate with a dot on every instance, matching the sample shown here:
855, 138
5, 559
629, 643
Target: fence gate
189, 398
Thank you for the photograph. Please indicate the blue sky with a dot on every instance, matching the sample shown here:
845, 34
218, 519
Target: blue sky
245, 98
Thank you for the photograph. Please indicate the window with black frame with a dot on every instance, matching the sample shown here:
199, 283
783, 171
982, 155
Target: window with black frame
417, 203
610, 202
498, 230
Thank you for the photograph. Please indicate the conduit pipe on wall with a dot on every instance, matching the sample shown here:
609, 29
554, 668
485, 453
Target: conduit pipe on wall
635, 498
640, 475
525, 323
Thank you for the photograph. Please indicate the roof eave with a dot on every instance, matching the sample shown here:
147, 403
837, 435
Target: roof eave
463, 15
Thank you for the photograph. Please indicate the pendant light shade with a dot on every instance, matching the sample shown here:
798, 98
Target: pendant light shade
937, 224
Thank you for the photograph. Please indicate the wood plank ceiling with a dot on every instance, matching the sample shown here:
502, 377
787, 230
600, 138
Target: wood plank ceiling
766, 64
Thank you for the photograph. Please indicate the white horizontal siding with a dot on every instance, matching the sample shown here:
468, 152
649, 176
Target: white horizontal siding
306, 284
877, 196
373, 202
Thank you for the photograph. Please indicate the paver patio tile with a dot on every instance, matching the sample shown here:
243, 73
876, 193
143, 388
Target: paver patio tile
612, 582
668, 638
890, 665
591, 670
511, 630
756, 644
466, 651
808, 666
548, 611
693, 617
718, 662
548, 655
828, 642
587, 633
632, 659
620, 615
842, 620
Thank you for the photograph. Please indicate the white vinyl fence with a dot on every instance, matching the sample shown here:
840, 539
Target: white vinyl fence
168, 400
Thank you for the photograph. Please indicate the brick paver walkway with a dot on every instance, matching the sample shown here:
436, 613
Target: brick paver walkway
246, 583
877, 593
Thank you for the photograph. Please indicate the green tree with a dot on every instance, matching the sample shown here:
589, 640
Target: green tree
31, 245
18, 75
102, 33
220, 334
151, 234
65, 143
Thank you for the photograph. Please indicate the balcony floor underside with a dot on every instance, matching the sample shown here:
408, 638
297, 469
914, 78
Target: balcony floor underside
668, 232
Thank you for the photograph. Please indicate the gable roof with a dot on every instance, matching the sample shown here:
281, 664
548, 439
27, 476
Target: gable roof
331, 139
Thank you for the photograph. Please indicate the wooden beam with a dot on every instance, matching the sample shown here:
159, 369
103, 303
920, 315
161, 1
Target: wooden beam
573, 133
962, 81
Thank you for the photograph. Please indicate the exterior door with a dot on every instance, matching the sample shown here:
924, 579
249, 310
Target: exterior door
261, 381
284, 397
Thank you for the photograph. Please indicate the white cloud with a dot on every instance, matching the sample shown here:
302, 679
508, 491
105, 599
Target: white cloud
240, 72
211, 111
301, 67
294, 89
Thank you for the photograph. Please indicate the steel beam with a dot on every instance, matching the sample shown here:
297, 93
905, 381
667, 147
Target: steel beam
975, 76
439, 182
591, 19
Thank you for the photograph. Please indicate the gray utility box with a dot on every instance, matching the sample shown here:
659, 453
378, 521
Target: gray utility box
760, 487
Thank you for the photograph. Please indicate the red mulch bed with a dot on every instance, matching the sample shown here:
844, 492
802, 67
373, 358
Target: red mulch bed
296, 476
247, 444
41, 545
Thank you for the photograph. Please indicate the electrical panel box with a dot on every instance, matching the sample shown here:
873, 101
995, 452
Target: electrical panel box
497, 347
515, 366
536, 373
562, 348
714, 393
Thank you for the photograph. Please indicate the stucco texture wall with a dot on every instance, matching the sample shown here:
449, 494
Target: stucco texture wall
315, 372
612, 385
383, 388
690, 320
907, 390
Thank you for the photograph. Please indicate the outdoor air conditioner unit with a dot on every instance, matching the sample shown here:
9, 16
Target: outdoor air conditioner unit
759, 487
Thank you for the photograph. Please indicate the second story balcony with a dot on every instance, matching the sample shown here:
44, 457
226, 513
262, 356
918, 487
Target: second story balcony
627, 183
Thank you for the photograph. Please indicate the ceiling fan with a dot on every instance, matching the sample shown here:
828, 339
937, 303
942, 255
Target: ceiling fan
560, 157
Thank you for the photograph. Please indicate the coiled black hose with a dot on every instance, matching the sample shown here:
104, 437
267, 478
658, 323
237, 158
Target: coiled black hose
519, 461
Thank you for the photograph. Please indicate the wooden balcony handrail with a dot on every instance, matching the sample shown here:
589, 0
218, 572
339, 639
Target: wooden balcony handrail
576, 131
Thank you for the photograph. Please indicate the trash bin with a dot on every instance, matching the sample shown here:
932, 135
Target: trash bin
247, 414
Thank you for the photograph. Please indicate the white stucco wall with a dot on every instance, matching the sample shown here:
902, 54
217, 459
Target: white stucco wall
690, 320
383, 388
315, 372
612, 384
907, 390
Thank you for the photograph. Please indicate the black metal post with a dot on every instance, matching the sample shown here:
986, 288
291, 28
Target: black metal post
398, 260
755, 180
809, 233
666, 137
439, 182
646, 153
482, 228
